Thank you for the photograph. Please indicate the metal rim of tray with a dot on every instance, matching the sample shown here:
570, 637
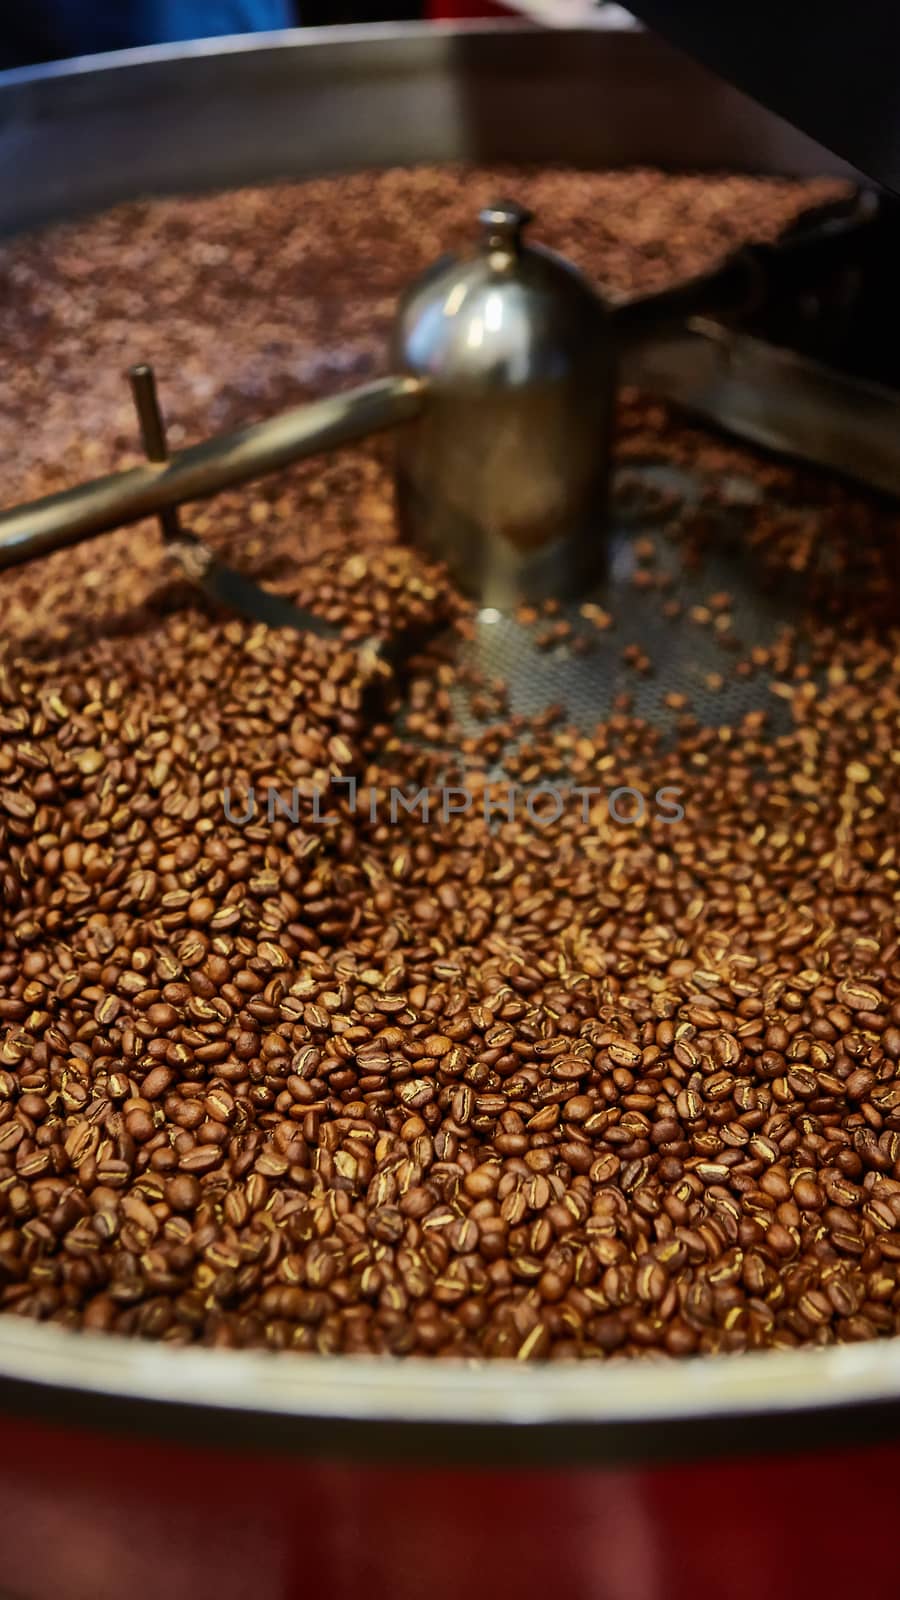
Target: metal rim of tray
81, 136
53, 121
586, 1412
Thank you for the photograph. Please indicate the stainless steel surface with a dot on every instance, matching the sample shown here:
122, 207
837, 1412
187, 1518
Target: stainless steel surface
82, 136
78, 136
692, 661
504, 474
775, 398
205, 469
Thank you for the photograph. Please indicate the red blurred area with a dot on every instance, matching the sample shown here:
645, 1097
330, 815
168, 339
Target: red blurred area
456, 10
89, 1516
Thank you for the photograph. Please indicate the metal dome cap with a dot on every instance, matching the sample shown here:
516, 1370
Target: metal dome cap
504, 475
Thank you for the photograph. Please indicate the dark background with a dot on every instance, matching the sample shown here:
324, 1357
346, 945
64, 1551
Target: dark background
831, 68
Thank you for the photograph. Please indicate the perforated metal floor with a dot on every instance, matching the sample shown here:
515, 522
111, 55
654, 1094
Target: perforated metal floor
687, 657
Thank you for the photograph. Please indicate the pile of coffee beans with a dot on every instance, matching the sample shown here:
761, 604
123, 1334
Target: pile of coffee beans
335, 1077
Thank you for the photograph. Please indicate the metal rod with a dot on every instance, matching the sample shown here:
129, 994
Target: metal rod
153, 434
728, 290
822, 241
206, 469
775, 398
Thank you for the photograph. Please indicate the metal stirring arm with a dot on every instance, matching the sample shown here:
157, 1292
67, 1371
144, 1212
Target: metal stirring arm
202, 566
204, 470
822, 241
509, 358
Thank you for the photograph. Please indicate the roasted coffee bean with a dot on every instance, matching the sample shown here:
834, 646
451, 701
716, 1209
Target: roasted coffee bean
281, 1068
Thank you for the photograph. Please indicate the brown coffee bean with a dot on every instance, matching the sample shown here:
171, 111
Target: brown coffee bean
858, 996
808, 1195
162, 1015
157, 1082
325, 1077
624, 1053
